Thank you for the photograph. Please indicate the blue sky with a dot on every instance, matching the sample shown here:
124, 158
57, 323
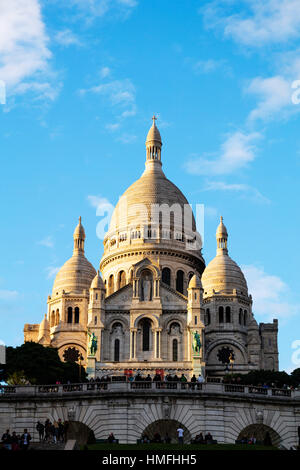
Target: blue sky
82, 80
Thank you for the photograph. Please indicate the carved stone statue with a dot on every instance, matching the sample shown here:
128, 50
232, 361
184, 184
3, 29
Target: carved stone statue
146, 288
196, 342
92, 344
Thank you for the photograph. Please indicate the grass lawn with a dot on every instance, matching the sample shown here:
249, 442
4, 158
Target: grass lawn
168, 447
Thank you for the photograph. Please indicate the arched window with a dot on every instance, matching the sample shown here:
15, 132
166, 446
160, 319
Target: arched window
166, 276
175, 350
207, 317
221, 315
122, 279
52, 319
117, 350
146, 334
228, 315
76, 320
241, 316
57, 317
245, 317
179, 281
70, 315
110, 285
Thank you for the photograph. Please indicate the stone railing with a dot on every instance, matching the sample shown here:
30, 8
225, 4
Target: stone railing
93, 388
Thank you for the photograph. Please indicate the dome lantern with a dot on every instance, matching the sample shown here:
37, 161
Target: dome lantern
222, 237
79, 237
153, 144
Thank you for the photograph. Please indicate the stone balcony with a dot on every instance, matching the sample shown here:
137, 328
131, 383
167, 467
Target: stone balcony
191, 389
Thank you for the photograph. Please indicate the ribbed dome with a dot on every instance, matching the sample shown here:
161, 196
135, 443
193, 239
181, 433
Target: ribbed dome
97, 282
151, 188
75, 275
223, 275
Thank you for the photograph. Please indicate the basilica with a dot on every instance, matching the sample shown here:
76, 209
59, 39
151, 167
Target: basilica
154, 306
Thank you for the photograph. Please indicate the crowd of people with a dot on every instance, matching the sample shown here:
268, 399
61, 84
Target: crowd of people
156, 378
16, 441
52, 432
49, 432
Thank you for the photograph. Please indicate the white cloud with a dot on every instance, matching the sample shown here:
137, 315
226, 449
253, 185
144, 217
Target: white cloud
48, 242
127, 138
52, 271
99, 8
105, 72
236, 152
119, 92
208, 66
112, 127
67, 38
269, 294
274, 94
101, 204
245, 189
24, 52
258, 22
8, 294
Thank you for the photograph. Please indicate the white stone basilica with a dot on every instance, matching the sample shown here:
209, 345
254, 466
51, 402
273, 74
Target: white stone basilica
155, 306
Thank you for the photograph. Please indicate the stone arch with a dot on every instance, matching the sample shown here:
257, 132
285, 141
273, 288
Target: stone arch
80, 432
259, 431
229, 342
155, 271
167, 426
118, 319
152, 318
121, 277
166, 275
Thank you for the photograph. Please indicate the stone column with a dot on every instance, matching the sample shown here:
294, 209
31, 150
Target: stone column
132, 354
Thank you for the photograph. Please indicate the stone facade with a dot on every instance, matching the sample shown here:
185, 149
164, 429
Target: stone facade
155, 297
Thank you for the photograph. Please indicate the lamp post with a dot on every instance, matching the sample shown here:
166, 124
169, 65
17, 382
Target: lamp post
80, 359
231, 361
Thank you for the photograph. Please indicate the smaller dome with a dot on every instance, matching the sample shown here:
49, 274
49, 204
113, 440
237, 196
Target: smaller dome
195, 282
153, 133
97, 282
79, 231
223, 275
221, 230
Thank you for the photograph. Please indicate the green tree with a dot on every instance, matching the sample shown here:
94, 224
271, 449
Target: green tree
39, 365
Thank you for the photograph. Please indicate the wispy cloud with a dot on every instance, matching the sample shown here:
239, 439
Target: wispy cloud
52, 271
8, 294
236, 152
67, 38
257, 23
269, 294
105, 72
101, 204
121, 96
24, 51
274, 94
99, 8
244, 190
48, 242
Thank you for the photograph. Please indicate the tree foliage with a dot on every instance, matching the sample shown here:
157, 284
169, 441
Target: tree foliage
39, 365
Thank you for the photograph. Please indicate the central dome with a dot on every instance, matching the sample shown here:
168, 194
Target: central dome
137, 207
